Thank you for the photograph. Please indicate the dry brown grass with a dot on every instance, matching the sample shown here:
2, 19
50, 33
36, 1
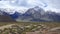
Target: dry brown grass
49, 24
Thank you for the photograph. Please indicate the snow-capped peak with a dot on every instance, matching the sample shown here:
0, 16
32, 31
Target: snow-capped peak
13, 10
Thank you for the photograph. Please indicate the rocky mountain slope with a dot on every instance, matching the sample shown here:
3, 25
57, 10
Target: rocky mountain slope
38, 14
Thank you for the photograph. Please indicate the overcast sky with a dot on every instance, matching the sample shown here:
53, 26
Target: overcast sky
26, 4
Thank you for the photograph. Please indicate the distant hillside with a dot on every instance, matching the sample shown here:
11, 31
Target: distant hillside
5, 18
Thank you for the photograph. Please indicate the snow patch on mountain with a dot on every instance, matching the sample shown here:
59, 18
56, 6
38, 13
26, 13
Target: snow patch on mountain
13, 10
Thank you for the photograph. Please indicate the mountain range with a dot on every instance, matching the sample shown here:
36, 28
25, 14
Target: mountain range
36, 14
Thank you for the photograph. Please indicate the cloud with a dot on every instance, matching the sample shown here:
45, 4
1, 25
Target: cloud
53, 3
47, 4
31, 3
20, 3
26, 3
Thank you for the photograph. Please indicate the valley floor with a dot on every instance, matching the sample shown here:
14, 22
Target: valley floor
28, 27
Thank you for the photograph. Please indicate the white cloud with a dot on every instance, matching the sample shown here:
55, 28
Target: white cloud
25, 3
35, 3
46, 4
